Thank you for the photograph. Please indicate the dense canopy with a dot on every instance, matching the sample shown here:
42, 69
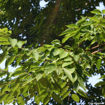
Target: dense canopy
29, 21
54, 51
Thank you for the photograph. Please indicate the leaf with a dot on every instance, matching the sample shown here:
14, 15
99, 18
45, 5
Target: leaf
4, 39
69, 70
57, 98
3, 56
4, 43
3, 97
81, 83
3, 72
55, 42
20, 43
63, 54
9, 61
39, 76
42, 96
13, 42
98, 65
57, 51
46, 100
101, 83
96, 11
18, 72
67, 64
76, 58
64, 90
69, 74
81, 21
82, 93
50, 68
103, 91
66, 94
103, 11
65, 38
4, 32
68, 59
20, 100
35, 54
15, 87
28, 81
72, 26
5, 88
45, 83
75, 97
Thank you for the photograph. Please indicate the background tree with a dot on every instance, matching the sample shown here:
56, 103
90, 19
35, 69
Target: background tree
28, 21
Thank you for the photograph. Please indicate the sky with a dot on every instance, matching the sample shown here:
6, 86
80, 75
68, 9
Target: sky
43, 3
92, 80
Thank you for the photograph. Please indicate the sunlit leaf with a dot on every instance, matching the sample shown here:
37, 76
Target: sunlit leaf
75, 97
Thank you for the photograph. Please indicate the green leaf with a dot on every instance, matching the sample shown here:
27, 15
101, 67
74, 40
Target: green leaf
75, 97
13, 42
64, 90
103, 91
15, 87
18, 71
57, 98
65, 38
55, 42
101, 83
28, 81
9, 61
4, 43
20, 100
57, 51
20, 43
67, 64
69, 70
72, 26
5, 88
3, 56
98, 65
76, 58
63, 54
50, 68
103, 11
4, 32
4, 39
45, 82
72, 77
39, 76
68, 59
35, 54
82, 93
96, 11
66, 94
3, 72
3, 97
46, 100
81, 21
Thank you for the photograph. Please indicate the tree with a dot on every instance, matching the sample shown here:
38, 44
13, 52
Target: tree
57, 71
28, 21
52, 70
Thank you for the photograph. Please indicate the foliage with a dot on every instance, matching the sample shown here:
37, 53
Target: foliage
29, 21
57, 70
4, 35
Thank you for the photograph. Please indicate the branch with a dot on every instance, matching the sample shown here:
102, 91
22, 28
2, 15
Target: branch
51, 18
98, 48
